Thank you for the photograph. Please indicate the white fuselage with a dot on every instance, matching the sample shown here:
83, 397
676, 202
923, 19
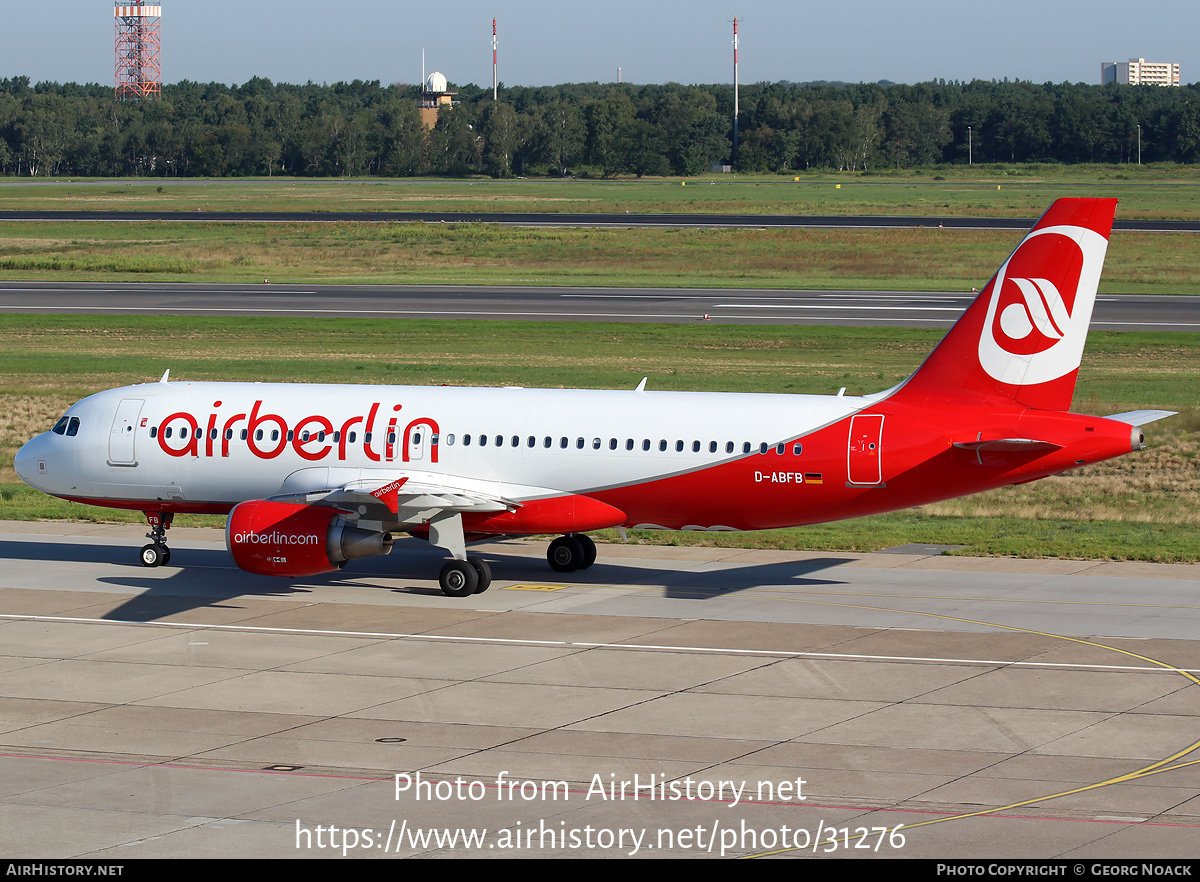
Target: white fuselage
209, 446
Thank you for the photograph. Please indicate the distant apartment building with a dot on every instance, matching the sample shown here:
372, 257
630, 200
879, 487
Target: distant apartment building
1139, 72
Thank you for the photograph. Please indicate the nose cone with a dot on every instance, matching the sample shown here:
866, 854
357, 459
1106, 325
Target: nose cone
30, 463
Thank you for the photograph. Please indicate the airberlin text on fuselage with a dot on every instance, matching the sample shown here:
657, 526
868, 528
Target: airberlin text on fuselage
276, 538
310, 435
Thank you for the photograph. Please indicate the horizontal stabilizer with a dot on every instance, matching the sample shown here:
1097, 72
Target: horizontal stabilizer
1141, 417
1008, 444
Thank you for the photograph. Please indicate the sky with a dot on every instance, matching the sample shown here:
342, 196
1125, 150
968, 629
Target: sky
547, 42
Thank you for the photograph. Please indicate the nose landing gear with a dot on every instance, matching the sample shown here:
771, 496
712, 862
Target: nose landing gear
156, 553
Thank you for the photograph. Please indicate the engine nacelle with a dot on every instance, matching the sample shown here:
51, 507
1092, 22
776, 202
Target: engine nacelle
291, 539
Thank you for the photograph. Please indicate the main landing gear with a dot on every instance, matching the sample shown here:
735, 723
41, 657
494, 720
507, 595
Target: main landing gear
156, 553
462, 578
575, 551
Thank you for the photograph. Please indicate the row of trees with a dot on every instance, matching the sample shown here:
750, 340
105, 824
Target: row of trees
363, 128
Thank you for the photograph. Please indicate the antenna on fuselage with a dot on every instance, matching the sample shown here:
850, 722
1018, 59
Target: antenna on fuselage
166, 374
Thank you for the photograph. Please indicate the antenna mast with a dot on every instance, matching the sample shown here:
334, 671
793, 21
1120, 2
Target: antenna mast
495, 81
735, 90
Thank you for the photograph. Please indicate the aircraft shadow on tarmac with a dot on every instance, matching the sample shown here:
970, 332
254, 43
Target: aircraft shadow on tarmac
198, 578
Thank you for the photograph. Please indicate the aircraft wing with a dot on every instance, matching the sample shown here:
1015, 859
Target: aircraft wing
402, 500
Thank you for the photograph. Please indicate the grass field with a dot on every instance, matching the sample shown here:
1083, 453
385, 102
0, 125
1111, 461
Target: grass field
382, 253
1158, 191
1143, 506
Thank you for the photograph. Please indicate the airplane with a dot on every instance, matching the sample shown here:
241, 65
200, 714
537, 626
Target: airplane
314, 476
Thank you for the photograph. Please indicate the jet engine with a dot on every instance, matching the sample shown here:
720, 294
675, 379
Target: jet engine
292, 539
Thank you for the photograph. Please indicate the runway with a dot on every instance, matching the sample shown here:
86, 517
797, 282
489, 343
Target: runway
935, 309
576, 219
993, 708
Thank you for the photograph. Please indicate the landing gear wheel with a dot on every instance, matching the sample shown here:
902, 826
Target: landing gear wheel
458, 579
589, 550
565, 554
483, 571
156, 554
152, 555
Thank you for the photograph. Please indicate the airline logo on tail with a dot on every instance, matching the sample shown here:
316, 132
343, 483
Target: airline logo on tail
1040, 306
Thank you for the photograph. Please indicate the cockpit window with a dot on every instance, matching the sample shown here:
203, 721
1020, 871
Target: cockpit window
67, 426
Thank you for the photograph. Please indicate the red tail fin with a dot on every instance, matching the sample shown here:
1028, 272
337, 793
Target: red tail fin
1022, 338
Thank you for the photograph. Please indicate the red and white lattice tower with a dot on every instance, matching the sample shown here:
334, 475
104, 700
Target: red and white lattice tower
139, 70
735, 91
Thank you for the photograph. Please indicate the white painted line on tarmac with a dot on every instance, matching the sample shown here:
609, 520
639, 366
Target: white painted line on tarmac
581, 644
